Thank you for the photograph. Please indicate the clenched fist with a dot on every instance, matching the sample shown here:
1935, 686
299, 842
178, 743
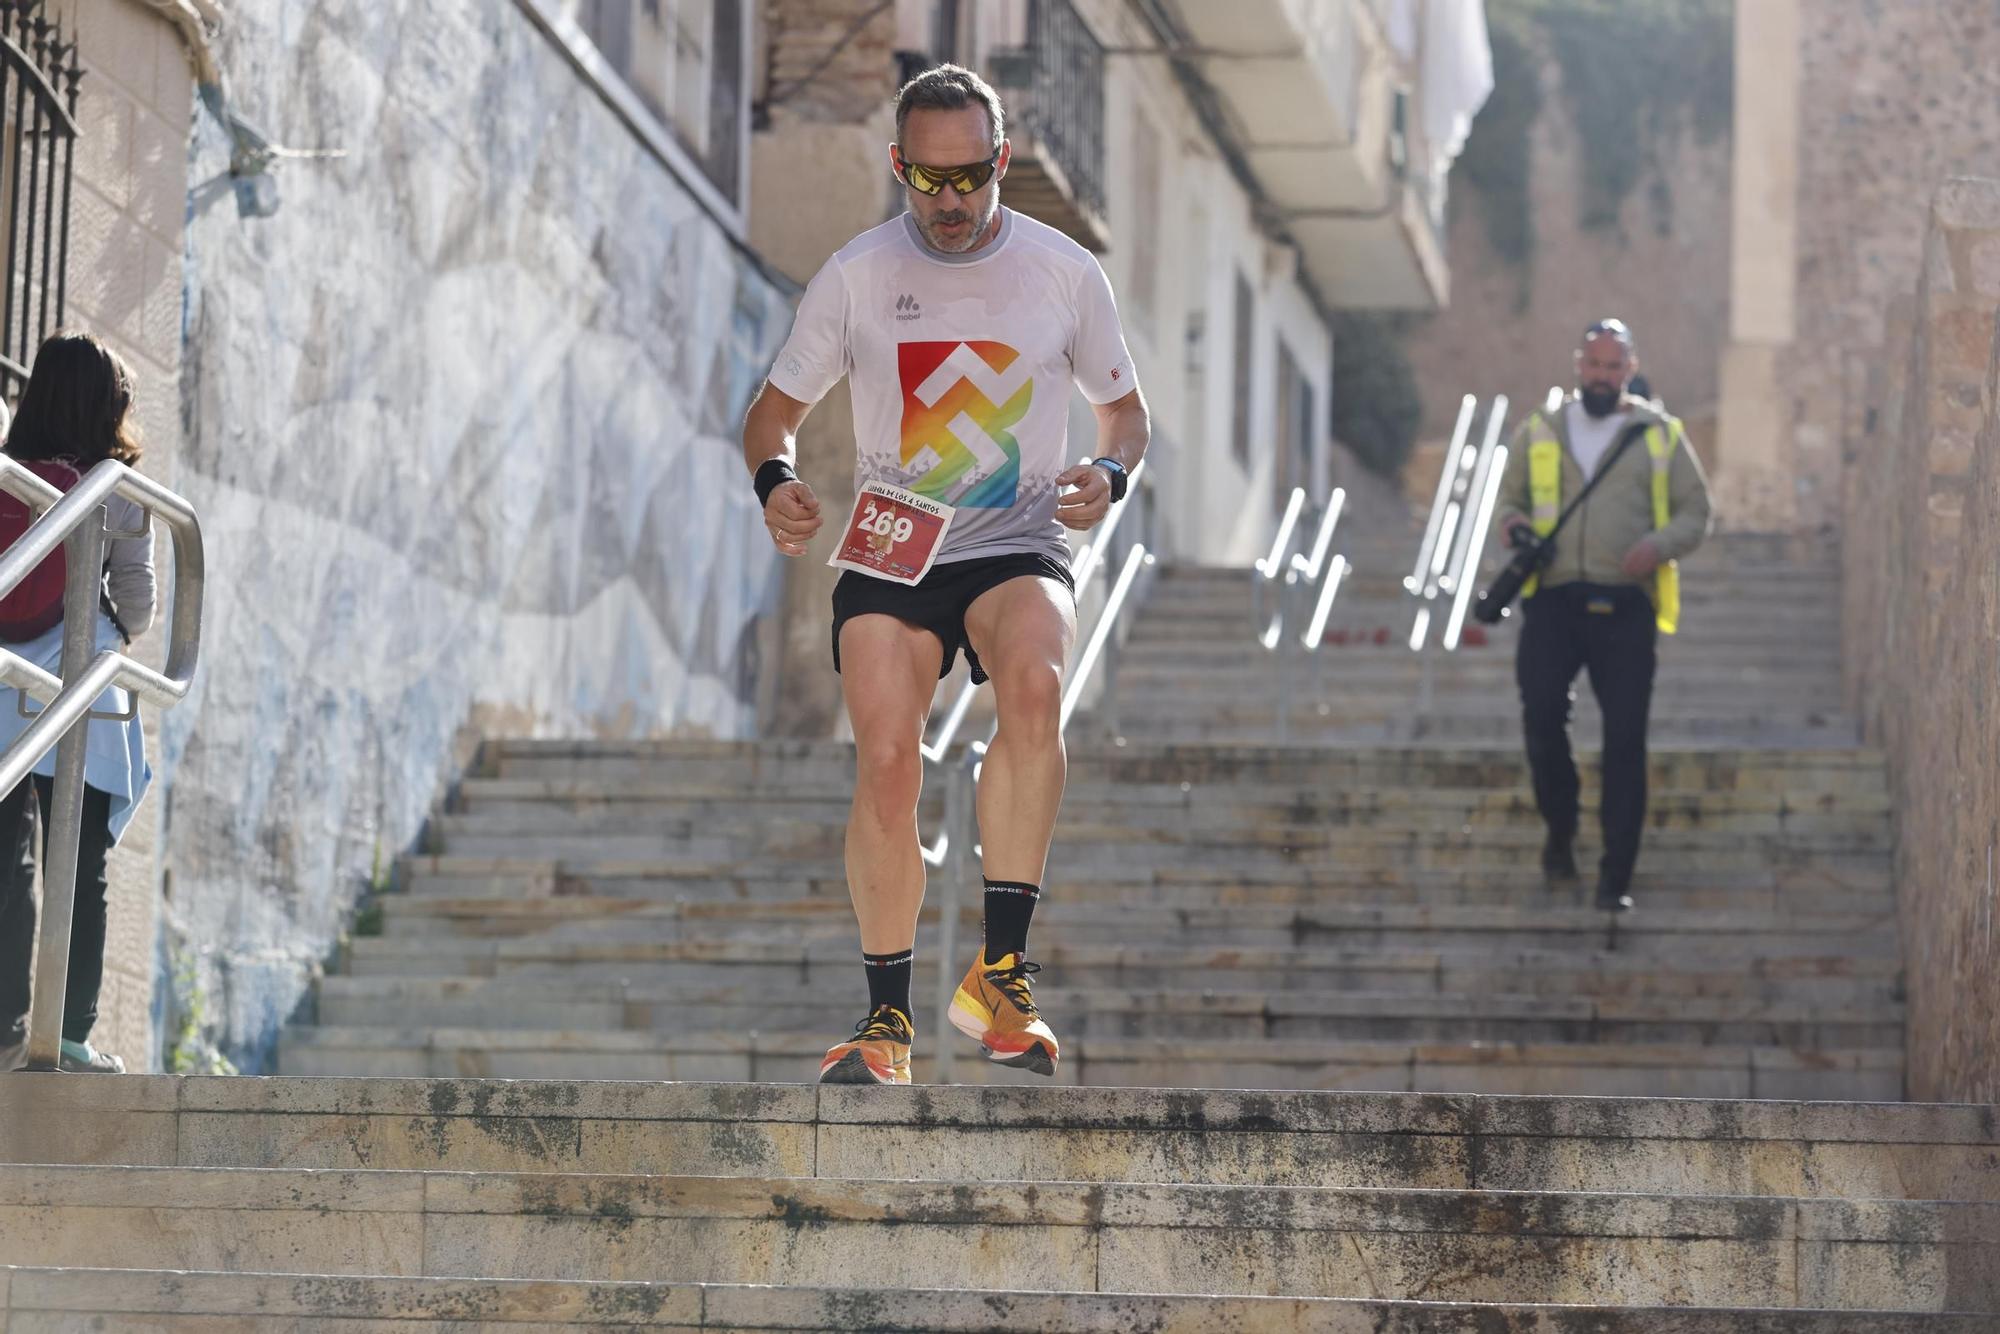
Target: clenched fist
1083, 507
793, 517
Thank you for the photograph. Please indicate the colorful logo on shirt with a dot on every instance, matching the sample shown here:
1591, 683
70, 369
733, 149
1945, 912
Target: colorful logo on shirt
961, 402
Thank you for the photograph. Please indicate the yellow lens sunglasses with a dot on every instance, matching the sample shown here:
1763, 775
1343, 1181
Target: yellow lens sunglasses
968, 179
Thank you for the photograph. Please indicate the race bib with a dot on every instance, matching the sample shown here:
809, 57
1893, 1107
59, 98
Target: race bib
892, 534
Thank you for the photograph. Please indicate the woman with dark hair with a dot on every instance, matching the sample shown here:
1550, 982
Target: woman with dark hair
77, 408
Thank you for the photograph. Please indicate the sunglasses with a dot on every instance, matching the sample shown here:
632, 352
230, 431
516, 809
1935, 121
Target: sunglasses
968, 179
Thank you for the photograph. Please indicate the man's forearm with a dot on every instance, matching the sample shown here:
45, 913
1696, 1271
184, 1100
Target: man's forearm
1124, 432
769, 431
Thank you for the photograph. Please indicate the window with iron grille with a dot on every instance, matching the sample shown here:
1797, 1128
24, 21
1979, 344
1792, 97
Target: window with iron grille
39, 77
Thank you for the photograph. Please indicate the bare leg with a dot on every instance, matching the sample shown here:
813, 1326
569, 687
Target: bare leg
1022, 632
888, 673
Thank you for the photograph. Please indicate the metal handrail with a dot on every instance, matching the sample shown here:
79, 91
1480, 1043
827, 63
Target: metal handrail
1448, 472
1088, 559
1301, 572
77, 522
1266, 608
1449, 556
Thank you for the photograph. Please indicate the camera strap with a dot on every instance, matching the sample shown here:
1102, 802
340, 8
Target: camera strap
1624, 441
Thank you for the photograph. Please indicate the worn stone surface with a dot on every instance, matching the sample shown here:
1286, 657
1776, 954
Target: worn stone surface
1894, 99
460, 422
1922, 632
48, 1300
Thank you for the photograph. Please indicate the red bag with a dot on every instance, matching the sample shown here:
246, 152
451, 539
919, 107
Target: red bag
35, 606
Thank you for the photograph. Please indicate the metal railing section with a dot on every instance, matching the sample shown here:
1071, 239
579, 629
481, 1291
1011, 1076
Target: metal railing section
77, 523
1310, 582
1455, 534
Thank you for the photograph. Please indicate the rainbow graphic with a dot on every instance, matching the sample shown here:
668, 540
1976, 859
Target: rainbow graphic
961, 402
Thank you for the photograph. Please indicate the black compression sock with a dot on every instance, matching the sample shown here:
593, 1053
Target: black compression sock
888, 979
1010, 906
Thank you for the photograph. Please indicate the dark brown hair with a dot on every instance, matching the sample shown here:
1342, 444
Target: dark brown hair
951, 88
78, 405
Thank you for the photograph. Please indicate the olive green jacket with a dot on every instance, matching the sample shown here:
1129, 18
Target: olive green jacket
1592, 545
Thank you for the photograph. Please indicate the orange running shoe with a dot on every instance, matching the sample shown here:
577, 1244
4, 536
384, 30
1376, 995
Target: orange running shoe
995, 1007
878, 1053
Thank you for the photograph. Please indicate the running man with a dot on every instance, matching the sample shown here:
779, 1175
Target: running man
961, 325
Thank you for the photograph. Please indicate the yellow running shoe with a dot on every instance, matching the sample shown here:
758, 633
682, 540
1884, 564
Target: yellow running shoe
878, 1053
995, 1007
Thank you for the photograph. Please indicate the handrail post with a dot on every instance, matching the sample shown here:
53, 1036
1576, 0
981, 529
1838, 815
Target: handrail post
84, 560
959, 822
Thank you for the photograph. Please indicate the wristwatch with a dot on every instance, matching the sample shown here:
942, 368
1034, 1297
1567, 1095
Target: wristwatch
1116, 472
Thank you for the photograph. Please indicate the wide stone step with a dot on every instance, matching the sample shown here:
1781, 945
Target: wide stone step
1593, 972
1211, 813
1102, 1012
50, 1299
1796, 891
957, 1133
1119, 1237
1653, 934
1569, 1069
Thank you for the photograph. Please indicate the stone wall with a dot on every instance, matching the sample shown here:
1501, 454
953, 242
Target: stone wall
461, 423
1922, 629
1891, 100
126, 216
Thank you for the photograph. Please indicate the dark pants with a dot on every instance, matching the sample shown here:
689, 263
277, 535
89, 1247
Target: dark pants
1610, 633
17, 906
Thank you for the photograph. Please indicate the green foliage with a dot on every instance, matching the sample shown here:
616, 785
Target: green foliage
1376, 407
1495, 161
189, 1051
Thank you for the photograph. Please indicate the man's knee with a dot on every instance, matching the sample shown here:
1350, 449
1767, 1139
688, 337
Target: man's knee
889, 775
1028, 698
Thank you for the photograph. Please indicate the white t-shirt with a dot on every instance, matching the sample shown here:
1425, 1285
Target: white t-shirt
960, 368
1590, 437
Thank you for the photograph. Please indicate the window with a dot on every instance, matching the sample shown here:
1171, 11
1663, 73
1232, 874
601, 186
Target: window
1295, 428
685, 60
1239, 426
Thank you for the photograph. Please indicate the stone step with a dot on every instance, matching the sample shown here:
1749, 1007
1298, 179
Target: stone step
711, 963
1570, 1069
48, 1299
1118, 1237
1214, 799
1766, 893
1082, 846
1661, 934
1327, 730
1097, 1012
1038, 1133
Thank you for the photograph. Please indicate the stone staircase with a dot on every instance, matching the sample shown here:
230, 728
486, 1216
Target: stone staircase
1355, 907
475, 1204
1235, 916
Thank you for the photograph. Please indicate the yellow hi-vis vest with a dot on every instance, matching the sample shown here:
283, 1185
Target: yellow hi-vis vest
1545, 454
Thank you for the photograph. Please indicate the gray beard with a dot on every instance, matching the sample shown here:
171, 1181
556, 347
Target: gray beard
980, 226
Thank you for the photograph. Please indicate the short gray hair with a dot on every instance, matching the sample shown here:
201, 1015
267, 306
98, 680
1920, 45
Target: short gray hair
950, 88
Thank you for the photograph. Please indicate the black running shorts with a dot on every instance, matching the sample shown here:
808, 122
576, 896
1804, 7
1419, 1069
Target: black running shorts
937, 603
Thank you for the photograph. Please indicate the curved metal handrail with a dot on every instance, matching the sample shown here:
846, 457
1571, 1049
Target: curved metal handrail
76, 522
1088, 561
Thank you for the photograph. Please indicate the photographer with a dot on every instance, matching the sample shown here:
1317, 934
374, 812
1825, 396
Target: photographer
1607, 586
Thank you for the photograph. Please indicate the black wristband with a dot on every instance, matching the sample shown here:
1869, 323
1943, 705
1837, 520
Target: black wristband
772, 474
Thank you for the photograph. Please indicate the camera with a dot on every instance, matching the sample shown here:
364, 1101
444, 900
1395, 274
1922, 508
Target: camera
1532, 554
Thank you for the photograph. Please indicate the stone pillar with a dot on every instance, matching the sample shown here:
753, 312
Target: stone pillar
1753, 468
